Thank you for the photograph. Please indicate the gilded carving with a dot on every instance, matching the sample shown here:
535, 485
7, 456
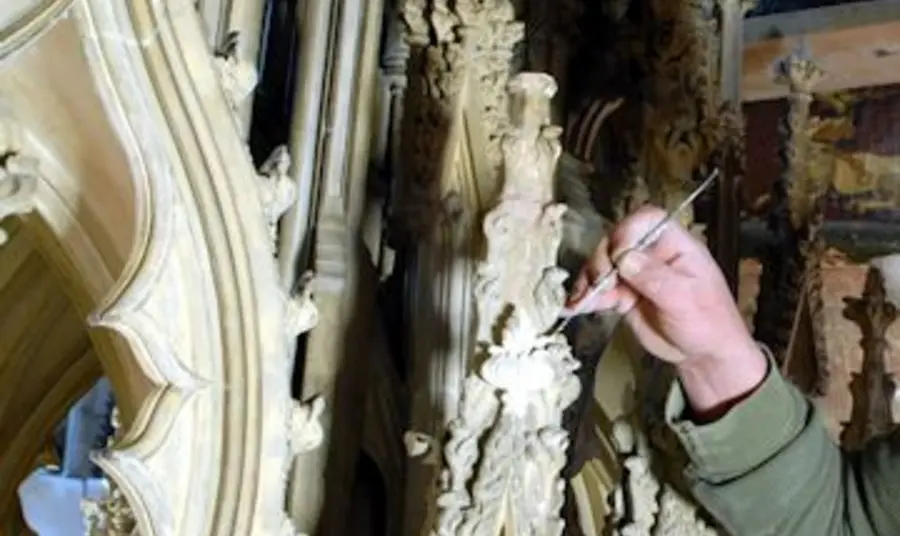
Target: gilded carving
683, 117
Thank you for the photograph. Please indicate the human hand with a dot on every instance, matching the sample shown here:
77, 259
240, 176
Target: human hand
672, 294
677, 302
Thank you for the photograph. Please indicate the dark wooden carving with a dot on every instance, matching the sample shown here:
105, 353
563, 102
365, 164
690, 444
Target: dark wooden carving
872, 388
789, 307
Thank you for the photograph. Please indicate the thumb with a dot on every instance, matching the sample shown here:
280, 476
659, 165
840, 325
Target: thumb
651, 278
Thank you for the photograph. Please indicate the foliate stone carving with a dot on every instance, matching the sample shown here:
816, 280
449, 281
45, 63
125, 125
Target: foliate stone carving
455, 114
237, 77
634, 502
507, 445
18, 184
306, 429
641, 504
681, 116
277, 190
469, 45
678, 517
302, 314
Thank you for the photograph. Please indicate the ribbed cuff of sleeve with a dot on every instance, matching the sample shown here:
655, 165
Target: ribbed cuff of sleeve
750, 433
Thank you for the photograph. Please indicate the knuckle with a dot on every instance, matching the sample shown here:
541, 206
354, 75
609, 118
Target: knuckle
635, 225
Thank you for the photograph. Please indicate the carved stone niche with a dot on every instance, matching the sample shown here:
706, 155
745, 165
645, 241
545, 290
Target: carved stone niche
137, 181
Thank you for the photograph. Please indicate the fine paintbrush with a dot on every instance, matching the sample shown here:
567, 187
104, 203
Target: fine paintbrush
643, 243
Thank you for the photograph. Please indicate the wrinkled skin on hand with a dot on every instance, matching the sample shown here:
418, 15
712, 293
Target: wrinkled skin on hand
672, 294
677, 302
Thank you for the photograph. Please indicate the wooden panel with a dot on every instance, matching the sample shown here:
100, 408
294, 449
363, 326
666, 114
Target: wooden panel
858, 45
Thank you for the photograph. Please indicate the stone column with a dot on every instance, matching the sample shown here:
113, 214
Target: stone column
455, 114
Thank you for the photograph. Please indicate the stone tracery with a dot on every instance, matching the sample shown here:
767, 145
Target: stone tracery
444, 266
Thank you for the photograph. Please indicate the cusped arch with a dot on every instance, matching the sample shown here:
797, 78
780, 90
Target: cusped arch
186, 312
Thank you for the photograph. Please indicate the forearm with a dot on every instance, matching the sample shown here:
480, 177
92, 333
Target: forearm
768, 467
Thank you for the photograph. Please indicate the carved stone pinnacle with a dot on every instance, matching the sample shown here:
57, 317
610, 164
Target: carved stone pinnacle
530, 95
800, 72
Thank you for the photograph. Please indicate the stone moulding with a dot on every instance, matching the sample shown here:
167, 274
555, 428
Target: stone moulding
36, 19
507, 445
204, 448
18, 186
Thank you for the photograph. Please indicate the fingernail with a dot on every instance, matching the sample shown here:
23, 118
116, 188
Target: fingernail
631, 263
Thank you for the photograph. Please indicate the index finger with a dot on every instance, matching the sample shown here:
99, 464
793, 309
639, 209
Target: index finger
672, 240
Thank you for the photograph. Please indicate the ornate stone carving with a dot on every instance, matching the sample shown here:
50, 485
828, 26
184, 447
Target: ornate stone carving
507, 445
277, 189
306, 430
634, 501
184, 304
18, 184
302, 314
455, 114
802, 74
682, 112
467, 46
237, 76
641, 504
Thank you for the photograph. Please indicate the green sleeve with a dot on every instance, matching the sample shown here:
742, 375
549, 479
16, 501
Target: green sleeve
768, 467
